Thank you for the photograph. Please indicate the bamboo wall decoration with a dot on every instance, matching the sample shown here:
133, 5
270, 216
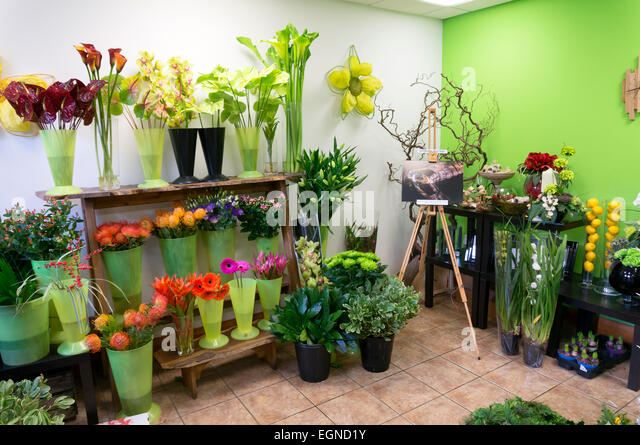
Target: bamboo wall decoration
631, 92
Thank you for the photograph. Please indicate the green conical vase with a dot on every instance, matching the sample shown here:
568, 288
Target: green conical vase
60, 147
243, 299
150, 143
211, 315
179, 255
132, 373
220, 244
248, 144
45, 277
24, 332
269, 291
324, 237
71, 305
124, 272
267, 245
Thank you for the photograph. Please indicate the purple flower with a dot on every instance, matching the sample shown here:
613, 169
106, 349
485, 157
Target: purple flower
242, 266
237, 212
228, 266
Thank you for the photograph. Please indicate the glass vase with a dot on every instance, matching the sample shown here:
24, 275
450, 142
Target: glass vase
107, 153
124, 273
269, 291
248, 144
71, 305
184, 332
533, 185
132, 373
211, 315
150, 142
243, 297
24, 332
509, 291
219, 244
268, 245
293, 115
60, 148
533, 352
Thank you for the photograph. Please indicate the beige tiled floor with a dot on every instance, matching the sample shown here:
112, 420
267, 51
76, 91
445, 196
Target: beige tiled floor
431, 381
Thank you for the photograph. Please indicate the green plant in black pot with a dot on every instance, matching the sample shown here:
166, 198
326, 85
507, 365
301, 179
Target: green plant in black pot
309, 318
376, 313
351, 269
27, 403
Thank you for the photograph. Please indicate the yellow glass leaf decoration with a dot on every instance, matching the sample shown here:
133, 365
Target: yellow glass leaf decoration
364, 104
371, 85
340, 78
9, 120
348, 102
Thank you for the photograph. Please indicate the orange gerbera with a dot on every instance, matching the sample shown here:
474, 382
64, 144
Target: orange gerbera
93, 342
120, 341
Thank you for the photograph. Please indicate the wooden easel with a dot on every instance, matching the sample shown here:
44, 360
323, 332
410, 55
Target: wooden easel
428, 212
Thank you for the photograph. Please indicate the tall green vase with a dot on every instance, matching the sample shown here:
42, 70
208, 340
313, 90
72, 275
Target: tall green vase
211, 315
269, 291
268, 245
243, 299
150, 143
248, 144
324, 237
71, 305
132, 373
45, 277
220, 244
24, 332
60, 147
124, 272
179, 255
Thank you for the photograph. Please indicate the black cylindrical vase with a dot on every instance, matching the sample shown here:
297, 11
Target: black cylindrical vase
375, 353
184, 149
212, 140
314, 362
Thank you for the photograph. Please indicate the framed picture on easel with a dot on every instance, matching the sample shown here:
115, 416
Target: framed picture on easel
432, 183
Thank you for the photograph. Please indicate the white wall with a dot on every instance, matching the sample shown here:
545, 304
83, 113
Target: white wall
399, 46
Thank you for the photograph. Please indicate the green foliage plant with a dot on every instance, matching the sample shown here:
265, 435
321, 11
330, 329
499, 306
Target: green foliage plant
628, 257
380, 309
510, 287
517, 412
27, 403
351, 269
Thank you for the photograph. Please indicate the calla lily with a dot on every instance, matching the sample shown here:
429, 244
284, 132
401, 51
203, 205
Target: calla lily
358, 90
116, 59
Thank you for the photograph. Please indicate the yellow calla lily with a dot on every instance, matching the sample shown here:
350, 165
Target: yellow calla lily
356, 84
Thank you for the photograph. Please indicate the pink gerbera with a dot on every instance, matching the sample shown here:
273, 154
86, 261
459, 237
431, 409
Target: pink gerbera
228, 266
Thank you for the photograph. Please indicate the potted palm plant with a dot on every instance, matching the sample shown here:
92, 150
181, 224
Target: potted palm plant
309, 318
376, 312
542, 273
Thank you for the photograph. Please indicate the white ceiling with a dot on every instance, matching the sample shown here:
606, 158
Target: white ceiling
429, 9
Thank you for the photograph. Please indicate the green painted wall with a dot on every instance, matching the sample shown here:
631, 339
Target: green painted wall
556, 68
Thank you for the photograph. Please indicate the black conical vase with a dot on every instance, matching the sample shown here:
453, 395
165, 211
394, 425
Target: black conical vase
184, 149
212, 140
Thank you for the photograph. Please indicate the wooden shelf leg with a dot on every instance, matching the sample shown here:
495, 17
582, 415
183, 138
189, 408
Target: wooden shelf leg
268, 353
190, 378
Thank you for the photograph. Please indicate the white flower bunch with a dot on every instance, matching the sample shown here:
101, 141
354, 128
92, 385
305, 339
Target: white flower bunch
549, 203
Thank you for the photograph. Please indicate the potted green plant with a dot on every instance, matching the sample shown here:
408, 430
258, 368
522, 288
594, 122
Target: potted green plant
128, 340
238, 90
289, 51
28, 402
328, 179
349, 270
542, 273
309, 318
376, 312
255, 221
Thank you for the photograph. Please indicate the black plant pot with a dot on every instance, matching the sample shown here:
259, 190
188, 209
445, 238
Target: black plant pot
212, 140
184, 149
509, 342
625, 279
314, 362
375, 353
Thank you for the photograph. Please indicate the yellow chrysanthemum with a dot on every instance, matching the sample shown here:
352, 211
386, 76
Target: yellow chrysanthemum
357, 84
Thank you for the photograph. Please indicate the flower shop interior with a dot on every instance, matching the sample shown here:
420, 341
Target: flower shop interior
320, 212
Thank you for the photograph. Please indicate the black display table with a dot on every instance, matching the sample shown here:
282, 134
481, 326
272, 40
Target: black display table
56, 361
590, 305
481, 270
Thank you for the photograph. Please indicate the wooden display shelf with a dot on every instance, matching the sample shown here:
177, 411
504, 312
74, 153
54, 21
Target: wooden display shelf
191, 366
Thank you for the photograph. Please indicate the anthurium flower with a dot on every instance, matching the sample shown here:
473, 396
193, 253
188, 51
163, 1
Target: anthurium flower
358, 86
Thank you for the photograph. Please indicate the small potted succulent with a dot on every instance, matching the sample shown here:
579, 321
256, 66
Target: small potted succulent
590, 362
615, 347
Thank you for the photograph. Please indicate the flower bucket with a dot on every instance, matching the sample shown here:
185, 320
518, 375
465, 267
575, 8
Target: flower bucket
211, 315
212, 141
269, 291
71, 305
24, 332
248, 144
268, 245
220, 244
324, 237
243, 300
150, 142
179, 255
375, 353
60, 147
184, 332
314, 362
46, 276
132, 374
124, 272
184, 141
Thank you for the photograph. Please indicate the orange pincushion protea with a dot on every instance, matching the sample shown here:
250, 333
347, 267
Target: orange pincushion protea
120, 341
139, 320
93, 342
128, 317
